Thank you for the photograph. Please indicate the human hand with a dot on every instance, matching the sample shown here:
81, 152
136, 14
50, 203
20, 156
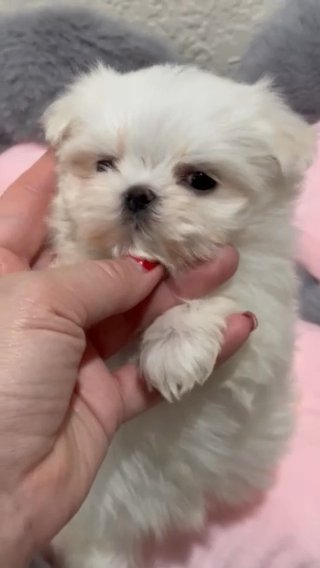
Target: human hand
59, 404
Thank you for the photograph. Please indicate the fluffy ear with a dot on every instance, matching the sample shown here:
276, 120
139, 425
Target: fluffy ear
291, 140
57, 120
84, 94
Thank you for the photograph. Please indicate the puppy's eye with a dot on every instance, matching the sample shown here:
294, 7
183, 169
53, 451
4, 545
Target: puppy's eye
201, 181
104, 165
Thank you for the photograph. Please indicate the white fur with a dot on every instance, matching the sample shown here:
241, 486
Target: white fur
224, 439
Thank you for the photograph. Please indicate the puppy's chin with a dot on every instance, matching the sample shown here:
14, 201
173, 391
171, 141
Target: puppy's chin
152, 243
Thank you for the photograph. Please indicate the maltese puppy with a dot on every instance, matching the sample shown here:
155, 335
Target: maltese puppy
170, 163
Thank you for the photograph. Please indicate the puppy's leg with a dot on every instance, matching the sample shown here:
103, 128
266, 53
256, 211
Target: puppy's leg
180, 348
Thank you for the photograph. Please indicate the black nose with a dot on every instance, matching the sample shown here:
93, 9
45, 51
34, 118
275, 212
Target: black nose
138, 198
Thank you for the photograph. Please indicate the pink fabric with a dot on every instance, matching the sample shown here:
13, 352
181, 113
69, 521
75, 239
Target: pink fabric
16, 160
284, 530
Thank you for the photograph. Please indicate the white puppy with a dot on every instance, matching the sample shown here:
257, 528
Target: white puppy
170, 163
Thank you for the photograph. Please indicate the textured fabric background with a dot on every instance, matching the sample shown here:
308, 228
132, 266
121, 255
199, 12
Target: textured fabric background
210, 32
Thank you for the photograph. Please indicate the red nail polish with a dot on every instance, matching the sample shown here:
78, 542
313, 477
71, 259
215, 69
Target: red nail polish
144, 263
253, 319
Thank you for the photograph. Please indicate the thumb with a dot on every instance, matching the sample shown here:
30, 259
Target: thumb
91, 291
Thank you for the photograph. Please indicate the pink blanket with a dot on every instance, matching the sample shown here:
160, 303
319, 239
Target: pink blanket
284, 530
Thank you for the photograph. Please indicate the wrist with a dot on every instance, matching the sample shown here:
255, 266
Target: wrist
16, 548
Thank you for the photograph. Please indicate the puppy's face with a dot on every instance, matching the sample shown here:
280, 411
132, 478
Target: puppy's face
170, 162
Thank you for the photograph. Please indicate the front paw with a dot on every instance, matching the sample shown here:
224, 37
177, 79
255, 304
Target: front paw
179, 351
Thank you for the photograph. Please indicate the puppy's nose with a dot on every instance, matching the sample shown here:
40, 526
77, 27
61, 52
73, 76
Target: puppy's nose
138, 198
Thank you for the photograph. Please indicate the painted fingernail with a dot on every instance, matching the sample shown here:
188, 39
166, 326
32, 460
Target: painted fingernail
145, 264
252, 318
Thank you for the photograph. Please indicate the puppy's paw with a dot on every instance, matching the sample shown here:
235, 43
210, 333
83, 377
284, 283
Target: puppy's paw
180, 348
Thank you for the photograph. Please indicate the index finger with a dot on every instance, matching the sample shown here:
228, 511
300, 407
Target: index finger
23, 209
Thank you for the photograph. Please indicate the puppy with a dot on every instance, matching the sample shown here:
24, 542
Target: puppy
171, 163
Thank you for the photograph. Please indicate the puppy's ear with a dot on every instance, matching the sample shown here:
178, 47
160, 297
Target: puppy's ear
57, 120
290, 139
84, 94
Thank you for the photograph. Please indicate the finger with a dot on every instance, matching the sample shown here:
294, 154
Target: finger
23, 209
207, 276
239, 327
92, 291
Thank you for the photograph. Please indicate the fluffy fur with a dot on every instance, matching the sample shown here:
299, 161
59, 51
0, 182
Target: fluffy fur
43, 49
220, 441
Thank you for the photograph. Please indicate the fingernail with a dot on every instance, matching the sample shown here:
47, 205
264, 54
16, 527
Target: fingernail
252, 318
144, 264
